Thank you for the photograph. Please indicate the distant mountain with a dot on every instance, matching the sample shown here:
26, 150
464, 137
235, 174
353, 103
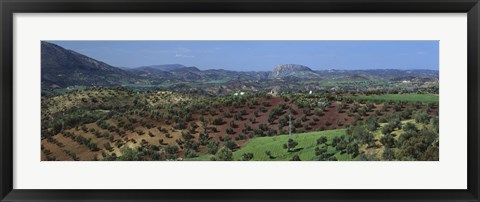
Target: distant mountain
188, 73
150, 73
386, 74
61, 68
166, 67
170, 72
186, 69
293, 70
193, 74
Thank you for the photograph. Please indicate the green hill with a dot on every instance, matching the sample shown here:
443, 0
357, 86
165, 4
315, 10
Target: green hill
305, 148
307, 142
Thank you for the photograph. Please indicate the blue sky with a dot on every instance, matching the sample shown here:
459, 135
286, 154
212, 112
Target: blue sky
263, 55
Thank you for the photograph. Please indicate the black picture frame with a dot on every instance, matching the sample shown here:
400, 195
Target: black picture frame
10, 7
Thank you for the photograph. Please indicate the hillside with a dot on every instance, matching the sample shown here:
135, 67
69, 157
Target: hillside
89, 122
62, 68
271, 148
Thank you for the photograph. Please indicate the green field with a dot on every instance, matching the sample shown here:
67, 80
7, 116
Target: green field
411, 97
307, 142
306, 147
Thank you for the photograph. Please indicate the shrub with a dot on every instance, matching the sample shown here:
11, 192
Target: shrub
290, 144
246, 157
212, 147
218, 121
295, 158
322, 140
224, 154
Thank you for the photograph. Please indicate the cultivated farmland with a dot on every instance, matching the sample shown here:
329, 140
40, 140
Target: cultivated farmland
93, 111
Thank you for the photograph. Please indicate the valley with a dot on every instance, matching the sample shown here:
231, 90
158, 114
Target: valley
92, 111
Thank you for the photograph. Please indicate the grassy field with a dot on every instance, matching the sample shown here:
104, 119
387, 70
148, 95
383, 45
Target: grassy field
306, 146
411, 97
305, 149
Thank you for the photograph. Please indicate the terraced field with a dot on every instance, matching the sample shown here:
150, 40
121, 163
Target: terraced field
97, 124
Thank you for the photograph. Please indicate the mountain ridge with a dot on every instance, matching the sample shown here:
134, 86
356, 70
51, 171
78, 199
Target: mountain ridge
295, 70
61, 67
162, 67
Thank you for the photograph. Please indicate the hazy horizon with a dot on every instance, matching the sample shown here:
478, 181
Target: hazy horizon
315, 69
263, 55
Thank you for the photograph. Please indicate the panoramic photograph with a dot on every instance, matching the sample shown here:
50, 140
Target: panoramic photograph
228, 100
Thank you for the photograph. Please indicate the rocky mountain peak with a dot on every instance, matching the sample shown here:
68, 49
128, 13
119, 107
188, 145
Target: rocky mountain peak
283, 70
